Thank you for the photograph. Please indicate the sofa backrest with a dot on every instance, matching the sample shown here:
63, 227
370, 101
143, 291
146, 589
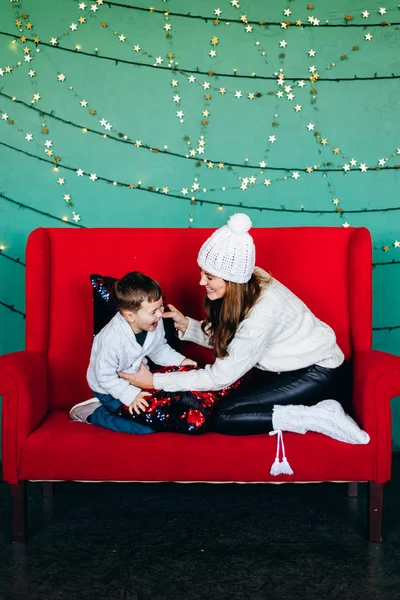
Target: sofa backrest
329, 268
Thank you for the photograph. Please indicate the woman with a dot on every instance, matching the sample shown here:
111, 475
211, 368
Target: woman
255, 321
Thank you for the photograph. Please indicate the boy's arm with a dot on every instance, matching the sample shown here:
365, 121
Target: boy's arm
163, 354
106, 367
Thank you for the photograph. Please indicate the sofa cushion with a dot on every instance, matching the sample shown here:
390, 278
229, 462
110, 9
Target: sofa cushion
61, 449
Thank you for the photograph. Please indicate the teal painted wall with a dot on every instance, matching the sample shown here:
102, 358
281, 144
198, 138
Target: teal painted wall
359, 120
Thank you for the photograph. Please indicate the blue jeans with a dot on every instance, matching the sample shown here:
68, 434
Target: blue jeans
105, 416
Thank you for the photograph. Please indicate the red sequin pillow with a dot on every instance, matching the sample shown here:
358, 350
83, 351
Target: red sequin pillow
180, 412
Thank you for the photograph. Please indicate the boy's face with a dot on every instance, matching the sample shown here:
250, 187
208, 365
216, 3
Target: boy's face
147, 317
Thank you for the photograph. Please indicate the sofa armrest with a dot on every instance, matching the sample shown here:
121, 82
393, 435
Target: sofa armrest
23, 386
376, 381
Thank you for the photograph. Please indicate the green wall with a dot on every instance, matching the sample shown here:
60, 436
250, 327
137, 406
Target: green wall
359, 119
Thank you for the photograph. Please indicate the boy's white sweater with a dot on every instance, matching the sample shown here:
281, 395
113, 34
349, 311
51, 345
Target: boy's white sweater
279, 334
115, 349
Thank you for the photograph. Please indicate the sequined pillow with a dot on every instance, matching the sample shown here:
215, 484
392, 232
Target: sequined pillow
105, 308
188, 412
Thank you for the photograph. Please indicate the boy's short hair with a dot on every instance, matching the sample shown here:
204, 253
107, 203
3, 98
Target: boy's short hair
134, 288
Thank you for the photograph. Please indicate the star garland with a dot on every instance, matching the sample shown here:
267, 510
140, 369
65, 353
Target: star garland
279, 77
311, 20
159, 66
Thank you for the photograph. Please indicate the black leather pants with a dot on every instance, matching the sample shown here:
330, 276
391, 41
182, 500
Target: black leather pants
248, 409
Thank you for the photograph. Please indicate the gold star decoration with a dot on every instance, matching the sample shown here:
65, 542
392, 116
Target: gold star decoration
45, 130
92, 112
214, 40
29, 25
207, 96
216, 21
385, 248
131, 186
336, 150
18, 23
36, 40
348, 18
170, 55
104, 24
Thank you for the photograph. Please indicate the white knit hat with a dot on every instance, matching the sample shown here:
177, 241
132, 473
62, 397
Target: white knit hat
230, 252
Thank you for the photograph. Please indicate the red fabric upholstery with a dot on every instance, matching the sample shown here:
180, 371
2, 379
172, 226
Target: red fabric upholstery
329, 268
79, 451
23, 385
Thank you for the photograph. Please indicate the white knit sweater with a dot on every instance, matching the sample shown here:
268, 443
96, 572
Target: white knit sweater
279, 334
115, 349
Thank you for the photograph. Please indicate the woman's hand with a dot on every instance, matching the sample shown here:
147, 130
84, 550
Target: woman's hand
188, 362
180, 321
142, 379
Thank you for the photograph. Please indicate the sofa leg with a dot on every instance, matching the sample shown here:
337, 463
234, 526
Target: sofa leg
375, 511
352, 489
18, 511
47, 489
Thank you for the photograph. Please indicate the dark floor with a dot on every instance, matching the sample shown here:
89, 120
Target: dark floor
183, 542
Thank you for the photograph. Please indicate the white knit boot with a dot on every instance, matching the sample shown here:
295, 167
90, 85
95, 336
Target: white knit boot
326, 417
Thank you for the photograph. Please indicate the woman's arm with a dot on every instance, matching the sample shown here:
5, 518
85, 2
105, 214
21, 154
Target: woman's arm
245, 351
189, 330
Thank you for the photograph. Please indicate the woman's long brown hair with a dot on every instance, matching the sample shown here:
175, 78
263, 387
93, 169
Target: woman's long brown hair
225, 315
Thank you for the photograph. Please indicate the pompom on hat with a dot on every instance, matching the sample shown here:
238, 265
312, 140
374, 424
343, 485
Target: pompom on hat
229, 252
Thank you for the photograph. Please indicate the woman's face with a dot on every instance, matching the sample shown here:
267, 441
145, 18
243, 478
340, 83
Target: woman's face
215, 286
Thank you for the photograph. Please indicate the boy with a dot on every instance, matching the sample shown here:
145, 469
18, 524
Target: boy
136, 331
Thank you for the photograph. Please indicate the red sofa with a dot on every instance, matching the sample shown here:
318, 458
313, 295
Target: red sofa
329, 268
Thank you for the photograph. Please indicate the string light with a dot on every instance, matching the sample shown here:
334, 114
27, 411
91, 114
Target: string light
262, 24
151, 190
37, 210
215, 74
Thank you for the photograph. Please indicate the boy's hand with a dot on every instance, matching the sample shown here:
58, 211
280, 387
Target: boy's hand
188, 361
139, 403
